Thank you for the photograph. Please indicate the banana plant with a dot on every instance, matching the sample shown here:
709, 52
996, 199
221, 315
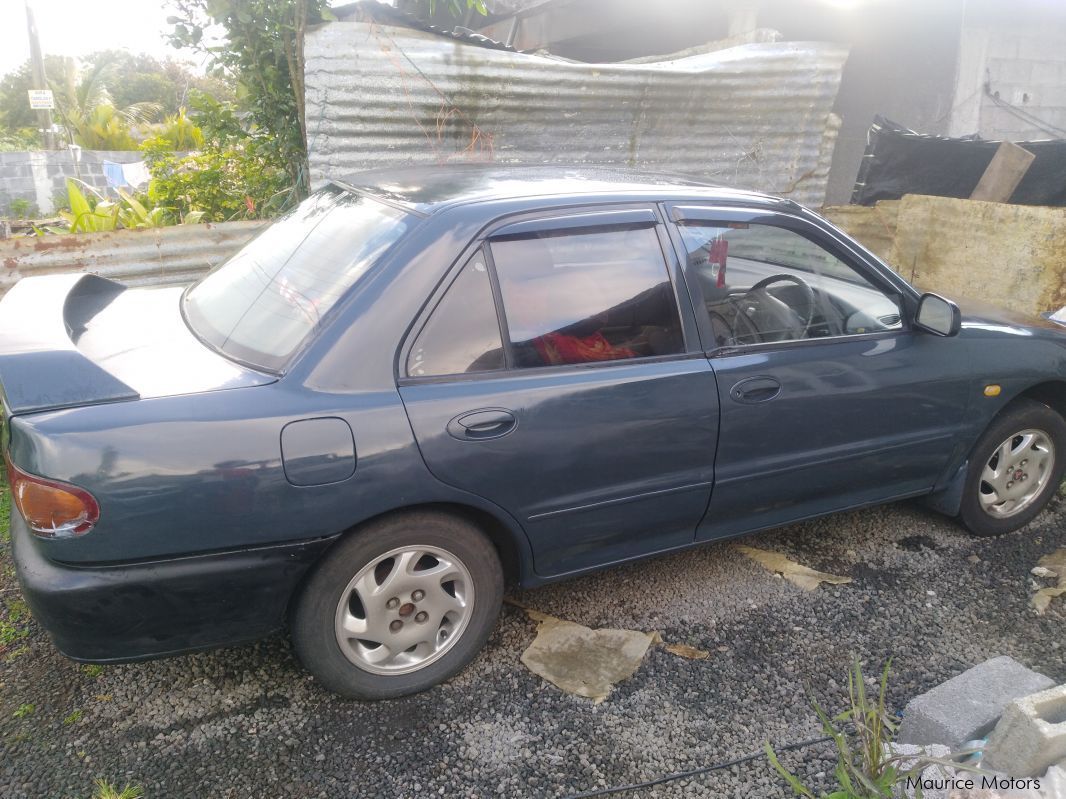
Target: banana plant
135, 215
85, 218
105, 214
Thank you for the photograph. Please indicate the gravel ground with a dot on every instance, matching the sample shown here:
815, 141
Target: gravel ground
247, 722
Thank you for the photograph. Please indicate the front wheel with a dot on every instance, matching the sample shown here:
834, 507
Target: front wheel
1015, 470
399, 606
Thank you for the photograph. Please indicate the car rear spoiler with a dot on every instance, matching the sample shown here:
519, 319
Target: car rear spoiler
41, 367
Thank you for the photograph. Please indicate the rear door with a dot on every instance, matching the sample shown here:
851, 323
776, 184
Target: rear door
829, 399
585, 407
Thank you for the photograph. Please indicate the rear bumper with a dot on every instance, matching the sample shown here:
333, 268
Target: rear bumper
108, 614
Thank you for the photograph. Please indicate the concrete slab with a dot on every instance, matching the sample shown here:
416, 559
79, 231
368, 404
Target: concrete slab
1031, 735
966, 707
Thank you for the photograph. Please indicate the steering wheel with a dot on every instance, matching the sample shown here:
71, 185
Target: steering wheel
776, 320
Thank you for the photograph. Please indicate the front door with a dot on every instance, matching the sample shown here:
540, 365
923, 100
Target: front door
586, 409
828, 399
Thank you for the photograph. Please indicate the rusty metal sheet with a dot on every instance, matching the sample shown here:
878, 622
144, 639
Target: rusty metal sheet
159, 256
757, 116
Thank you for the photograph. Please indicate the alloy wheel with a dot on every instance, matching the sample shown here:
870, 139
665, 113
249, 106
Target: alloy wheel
404, 610
1016, 473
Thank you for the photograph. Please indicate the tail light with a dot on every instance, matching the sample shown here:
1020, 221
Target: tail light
51, 509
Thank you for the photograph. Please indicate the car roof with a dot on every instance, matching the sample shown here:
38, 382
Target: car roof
428, 189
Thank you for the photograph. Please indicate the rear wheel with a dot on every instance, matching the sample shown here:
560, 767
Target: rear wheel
1015, 470
400, 606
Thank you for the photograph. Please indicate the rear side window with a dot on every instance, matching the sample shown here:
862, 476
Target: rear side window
463, 332
584, 297
261, 304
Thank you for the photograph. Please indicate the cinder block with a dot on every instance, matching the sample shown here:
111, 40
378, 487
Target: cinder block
1031, 735
966, 707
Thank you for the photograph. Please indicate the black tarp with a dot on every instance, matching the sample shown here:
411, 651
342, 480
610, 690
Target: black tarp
899, 161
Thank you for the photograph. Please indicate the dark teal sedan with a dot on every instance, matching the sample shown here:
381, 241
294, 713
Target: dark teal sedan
422, 384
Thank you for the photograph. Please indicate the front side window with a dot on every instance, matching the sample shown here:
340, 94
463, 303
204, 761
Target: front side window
463, 332
261, 304
762, 283
584, 297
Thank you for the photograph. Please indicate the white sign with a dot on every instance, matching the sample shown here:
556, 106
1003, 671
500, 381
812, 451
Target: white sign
41, 99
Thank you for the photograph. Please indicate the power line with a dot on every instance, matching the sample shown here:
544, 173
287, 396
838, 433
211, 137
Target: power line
680, 775
1024, 115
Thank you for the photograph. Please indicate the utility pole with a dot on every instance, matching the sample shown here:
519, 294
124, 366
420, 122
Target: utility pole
40, 80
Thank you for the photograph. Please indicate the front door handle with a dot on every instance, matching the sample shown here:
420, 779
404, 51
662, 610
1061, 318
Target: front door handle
481, 424
755, 390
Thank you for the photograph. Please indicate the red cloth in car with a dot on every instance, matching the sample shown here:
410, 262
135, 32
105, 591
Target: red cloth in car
558, 348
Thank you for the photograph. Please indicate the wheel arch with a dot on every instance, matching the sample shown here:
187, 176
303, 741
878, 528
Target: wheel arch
1051, 392
510, 544
948, 499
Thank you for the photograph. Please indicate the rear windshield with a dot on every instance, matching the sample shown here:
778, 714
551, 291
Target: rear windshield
261, 304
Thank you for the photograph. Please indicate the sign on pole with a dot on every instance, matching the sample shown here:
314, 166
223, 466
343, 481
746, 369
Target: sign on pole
41, 99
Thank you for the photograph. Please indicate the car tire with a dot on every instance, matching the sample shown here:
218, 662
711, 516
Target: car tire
1015, 469
428, 580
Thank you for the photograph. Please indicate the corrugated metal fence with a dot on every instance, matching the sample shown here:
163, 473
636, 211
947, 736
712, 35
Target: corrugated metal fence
757, 116
159, 256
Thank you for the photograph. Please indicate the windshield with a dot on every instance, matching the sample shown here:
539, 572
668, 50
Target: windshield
261, 304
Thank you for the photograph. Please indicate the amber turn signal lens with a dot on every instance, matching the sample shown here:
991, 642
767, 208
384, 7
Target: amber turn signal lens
51, 509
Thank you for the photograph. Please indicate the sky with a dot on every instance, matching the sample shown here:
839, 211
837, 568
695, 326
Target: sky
79, 27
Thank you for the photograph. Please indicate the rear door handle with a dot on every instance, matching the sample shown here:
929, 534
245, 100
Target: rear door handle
482, 424
755, 390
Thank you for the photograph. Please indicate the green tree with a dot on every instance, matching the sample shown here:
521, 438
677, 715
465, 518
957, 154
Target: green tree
139, 78
131, 80
15, 110
21, 139
263, 52
87, 110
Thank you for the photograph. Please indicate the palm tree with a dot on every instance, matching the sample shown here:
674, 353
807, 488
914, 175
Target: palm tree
88, 111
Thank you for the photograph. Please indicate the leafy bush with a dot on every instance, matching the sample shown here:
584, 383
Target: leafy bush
94, 213
19, 139
237, 174
180, 132
263, 52
225, 184
21, 208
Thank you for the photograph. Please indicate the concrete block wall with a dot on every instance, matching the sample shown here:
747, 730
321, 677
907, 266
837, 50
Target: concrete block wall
39, 176
1026, 66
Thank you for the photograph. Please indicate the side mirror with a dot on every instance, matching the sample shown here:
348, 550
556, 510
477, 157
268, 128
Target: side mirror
938, 316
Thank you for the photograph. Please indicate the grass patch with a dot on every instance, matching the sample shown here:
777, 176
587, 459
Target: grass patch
14, 614
10, 633
866, 768
5, 510
92, 670
73, 718
14, 654
23, 711
106, 790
